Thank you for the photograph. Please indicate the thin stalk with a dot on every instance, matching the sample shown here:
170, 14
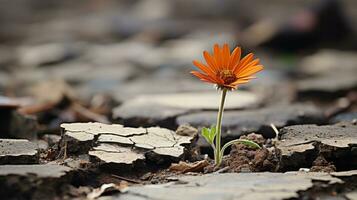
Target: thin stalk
217, 156
246, 142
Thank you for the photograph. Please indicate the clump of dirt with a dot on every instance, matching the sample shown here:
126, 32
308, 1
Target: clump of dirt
320, 164
243, 158
163, 176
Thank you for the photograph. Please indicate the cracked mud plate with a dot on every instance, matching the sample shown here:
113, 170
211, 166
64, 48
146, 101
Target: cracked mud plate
266, 186
301, 144
115, 144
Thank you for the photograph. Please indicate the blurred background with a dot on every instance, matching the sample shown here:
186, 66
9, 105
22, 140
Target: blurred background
65, 61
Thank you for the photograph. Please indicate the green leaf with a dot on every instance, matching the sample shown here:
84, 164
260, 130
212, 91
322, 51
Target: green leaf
209, 133
213, 132
206, 133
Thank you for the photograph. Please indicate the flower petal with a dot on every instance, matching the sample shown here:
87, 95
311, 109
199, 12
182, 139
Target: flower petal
247, 78
204, 68
203, 77
237, 82
251, 70
217, 56
235, 57
243, 62
225, 56
210, 61
247, 66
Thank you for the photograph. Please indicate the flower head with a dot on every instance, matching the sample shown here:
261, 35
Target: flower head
227, 70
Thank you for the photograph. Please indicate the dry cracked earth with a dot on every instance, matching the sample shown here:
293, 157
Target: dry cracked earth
104, 106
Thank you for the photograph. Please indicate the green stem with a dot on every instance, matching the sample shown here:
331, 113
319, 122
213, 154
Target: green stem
217, 156
246, 142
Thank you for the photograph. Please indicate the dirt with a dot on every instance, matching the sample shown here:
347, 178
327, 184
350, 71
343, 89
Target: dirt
320, 164
243, 158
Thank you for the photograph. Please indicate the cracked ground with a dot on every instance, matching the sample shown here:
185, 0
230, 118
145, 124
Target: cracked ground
97, 102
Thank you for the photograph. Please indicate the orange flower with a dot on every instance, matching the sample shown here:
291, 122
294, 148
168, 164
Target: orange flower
227, 70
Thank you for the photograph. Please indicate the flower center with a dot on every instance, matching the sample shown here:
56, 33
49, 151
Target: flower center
227, 76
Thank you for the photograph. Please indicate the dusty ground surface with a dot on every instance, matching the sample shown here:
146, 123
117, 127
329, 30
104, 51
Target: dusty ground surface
96, 100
